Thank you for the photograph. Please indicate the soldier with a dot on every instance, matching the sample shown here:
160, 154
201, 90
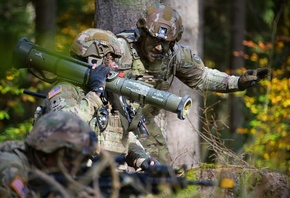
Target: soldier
101, 48
151, 52
59, 145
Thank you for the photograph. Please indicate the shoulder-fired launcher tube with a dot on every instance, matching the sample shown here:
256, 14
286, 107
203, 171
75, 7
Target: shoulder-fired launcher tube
144, 93
28, 55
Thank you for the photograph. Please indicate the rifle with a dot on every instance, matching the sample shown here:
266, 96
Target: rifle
39, 61
152, 181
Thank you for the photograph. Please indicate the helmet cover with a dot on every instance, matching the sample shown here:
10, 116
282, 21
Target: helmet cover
60, 129
95, 42
162, 21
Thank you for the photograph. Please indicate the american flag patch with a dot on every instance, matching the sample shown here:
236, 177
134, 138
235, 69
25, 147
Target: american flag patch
54, 91
18, 185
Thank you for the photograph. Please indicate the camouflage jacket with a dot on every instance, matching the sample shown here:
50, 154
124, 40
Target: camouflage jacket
179, 62
68, 97
14, 168
19, 177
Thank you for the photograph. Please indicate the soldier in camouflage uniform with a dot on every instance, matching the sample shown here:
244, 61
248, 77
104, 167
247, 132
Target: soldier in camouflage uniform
60, 143
98, 47
151, 52
13, 163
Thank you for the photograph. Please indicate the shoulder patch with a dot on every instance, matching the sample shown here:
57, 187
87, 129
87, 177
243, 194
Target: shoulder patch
20, 188
54, 91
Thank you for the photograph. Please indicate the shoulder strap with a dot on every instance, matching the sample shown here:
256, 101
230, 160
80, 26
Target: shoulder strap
131, 37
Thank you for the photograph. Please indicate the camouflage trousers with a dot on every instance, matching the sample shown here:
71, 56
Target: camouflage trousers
155, 143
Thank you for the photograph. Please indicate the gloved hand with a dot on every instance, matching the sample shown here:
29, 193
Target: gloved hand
150, 161
97, 81
252, 77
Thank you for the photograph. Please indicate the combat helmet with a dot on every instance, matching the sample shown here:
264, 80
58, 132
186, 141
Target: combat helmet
162, 21
56, 130
95, 42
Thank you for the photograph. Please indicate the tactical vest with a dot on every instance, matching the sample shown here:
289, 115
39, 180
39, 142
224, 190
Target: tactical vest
110, 139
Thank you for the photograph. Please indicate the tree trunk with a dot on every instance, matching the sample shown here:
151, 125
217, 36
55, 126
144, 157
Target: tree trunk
237, 62
45, 22
118, 15
182, 136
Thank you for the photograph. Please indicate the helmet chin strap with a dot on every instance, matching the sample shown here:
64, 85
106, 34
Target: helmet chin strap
159, 56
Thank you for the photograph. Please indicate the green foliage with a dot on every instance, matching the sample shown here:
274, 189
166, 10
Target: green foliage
269, 130
189, 192
18, 132
16, 19
269, 126
16, 106
207, 165
69, 26
14, 12
267, 45
268, 121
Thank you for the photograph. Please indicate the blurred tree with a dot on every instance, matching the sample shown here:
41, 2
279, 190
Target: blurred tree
236, 104
73, 17
119, 15
21, 18
15, 21
45, 22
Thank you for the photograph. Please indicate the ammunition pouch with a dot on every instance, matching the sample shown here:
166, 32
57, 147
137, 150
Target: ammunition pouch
111, 139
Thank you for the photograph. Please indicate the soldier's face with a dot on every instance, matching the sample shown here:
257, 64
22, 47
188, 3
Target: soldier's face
154, 48
109, 60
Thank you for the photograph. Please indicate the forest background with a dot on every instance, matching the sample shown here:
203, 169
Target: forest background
262, 133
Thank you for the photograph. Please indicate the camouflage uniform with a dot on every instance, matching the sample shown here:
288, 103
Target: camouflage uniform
14, 167
52, 132
94, 44
164, 24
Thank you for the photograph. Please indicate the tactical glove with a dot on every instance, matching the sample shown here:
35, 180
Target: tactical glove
98, 76
147, 163
252, 77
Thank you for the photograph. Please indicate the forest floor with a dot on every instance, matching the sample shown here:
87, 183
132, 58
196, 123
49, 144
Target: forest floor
234, 182
244, 182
